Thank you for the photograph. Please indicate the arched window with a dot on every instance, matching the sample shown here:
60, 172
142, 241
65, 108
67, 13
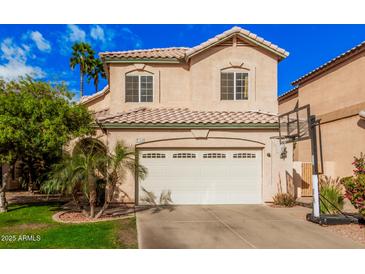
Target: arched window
139, 87
234, 84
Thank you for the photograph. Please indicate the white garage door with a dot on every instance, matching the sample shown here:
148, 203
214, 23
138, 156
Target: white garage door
203, 176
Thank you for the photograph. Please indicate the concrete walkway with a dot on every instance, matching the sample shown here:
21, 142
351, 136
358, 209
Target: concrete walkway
234, 226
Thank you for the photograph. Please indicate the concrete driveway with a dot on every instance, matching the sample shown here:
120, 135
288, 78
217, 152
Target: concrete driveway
234, 226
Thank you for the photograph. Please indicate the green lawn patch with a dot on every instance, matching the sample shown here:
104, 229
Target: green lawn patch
31, 226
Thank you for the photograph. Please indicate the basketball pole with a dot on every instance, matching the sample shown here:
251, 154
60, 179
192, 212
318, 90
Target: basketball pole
313, 136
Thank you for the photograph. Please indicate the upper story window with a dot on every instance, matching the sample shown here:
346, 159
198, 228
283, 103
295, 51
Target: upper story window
139, 88
234, 86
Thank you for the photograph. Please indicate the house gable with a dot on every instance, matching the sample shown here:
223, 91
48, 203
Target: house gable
238, 37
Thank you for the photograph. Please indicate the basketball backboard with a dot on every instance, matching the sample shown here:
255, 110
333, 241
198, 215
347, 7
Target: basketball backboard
295, 125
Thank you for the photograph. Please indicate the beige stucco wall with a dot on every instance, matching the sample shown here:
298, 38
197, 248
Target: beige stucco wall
100, 103
275, 170
288, 104
341, 141
334, 98
197, 85
341, 87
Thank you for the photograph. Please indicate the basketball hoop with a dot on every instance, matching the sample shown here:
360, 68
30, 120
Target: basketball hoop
296, 126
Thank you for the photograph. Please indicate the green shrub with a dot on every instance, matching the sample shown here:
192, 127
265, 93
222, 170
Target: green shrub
355, 191
284, 199
332, 199
331, 195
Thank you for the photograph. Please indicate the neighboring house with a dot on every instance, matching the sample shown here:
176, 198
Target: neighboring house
204, 119
335, 92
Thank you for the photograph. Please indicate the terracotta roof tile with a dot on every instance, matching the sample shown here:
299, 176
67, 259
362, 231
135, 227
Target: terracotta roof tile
86, 99
183, 52
174, 52
184, 116
101, 113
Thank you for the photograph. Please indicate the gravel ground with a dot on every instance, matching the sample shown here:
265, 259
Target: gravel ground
355, 232
78, 217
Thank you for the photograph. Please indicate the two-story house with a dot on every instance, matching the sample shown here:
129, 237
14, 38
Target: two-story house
204, 119
335, 92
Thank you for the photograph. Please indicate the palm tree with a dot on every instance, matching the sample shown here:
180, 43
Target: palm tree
87, 167
77, 172
95, 71
119, 164
82, 55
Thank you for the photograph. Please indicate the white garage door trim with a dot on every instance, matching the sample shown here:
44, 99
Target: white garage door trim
203, 176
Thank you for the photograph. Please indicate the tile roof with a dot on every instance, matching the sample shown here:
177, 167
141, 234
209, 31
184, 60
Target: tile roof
330, 64
175, 52
245, 34
86, 99
101, 113
185, 116
288, 93
183, 52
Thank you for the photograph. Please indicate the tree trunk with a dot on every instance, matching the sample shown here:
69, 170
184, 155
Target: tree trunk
92, 195
96, 83
109, 193
76, 199
30, 181
3, 202
81, 83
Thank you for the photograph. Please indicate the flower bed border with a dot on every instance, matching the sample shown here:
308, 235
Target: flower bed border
56, 218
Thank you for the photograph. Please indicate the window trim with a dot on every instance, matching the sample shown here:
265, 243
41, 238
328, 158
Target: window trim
184, 155
139, 86
235, 85
153, 155
214, 155
244, 155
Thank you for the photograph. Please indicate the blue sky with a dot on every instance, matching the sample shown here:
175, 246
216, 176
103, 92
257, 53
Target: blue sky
44, 50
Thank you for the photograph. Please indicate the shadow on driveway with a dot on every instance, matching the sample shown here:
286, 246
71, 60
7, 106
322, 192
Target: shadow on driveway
234, 226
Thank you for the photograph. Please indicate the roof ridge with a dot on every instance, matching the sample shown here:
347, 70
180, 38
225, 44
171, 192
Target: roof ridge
137, 50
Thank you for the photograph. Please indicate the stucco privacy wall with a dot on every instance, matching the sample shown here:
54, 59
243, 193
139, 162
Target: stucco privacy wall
184, 86
275, 170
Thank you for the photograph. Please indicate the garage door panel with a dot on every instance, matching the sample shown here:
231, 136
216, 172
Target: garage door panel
204, 176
